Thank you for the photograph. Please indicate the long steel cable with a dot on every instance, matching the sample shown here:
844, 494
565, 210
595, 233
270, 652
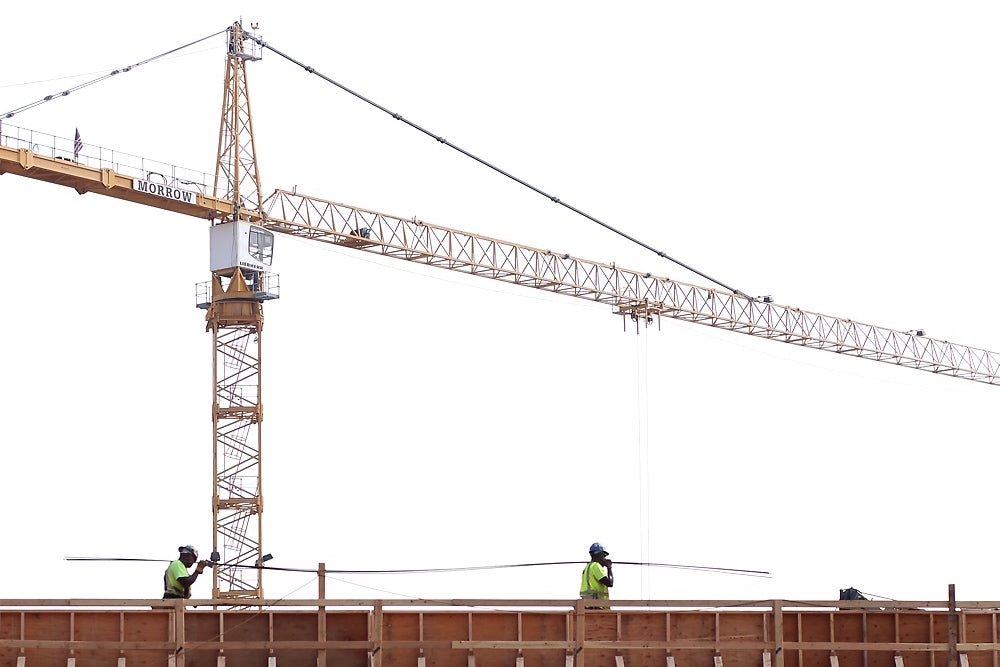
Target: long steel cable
442, 140
424, 570
129, 68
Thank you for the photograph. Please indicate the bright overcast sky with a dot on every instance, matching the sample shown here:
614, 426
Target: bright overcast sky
843, 158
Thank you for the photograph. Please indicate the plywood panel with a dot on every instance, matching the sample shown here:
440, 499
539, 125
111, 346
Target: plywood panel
692, 626
548, 626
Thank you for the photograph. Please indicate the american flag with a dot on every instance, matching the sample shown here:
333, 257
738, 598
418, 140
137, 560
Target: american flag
77, 145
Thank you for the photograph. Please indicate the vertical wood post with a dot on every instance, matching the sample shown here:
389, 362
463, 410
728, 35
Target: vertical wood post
580, 634
952, 628
376, 635
779, 635
321, 615
179, 657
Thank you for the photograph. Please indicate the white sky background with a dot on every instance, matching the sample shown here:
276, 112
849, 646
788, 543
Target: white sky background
841, 157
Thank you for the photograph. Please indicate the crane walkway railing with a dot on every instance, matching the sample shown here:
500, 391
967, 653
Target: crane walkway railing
97, 157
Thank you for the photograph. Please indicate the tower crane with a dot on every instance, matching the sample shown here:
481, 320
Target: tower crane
244, 224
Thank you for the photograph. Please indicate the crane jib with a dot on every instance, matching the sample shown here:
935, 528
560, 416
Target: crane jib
164, 190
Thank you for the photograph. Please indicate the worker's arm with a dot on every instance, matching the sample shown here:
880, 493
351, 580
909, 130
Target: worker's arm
609, 579
190, 579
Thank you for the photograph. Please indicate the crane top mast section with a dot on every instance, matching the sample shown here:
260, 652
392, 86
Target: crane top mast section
237, 178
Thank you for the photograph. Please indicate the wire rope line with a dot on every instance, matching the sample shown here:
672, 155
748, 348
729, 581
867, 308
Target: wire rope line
442, 140
645, 430
54, 96
642, 459
261, 610
21, 84
433, 601
407, 596
403, 596
704, 568
873, 595
677, 566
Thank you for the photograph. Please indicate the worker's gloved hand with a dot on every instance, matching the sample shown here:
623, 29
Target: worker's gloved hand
202, 564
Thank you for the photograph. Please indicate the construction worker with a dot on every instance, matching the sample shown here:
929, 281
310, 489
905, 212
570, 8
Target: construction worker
176, 580
597, 576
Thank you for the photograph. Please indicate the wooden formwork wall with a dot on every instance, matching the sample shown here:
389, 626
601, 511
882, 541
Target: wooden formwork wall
912, 638
52, 637
498, 638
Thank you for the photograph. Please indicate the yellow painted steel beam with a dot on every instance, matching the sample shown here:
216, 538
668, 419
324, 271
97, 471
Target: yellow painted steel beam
107, 182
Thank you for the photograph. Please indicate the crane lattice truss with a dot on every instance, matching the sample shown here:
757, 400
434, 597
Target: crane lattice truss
237, 416
237, 178
637, 294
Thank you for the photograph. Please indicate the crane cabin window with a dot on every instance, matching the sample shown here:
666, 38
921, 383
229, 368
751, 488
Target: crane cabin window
261, 245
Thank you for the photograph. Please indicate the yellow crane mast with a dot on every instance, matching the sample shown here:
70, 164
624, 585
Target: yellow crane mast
243, 228
240, 253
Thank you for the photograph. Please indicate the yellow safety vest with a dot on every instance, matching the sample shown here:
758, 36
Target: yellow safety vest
591, 587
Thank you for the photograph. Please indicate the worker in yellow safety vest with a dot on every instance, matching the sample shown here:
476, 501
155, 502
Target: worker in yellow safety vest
597, 576
177, 580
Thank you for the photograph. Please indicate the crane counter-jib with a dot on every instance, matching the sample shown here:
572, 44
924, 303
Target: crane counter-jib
149, 186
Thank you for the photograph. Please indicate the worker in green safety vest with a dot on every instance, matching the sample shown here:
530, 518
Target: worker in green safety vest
597, 576
176, 580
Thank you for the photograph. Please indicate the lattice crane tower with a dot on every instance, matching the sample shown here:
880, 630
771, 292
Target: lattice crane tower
241, 254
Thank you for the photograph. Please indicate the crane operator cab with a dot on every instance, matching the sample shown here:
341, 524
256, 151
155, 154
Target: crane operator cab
246, 247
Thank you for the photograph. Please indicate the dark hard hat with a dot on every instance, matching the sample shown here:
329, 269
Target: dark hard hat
598, 548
